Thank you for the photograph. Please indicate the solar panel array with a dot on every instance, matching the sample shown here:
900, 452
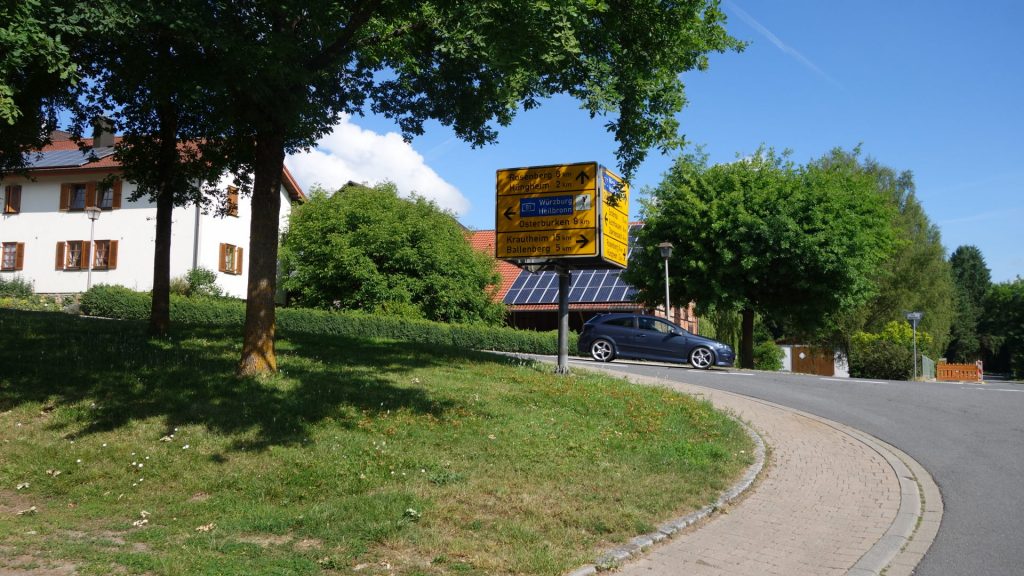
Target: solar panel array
587, 286
65, 158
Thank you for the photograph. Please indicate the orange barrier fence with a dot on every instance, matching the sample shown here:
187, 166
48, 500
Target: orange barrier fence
959, 372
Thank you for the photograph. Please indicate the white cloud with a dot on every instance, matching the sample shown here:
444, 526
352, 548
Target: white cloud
351, 153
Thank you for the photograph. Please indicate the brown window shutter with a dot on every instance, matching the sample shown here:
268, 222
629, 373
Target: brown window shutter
19, 256
65, 197
238, 260
90, 195
112, 255
232, 201
220, 258
86, 263
12, 199
117, 194
59, 261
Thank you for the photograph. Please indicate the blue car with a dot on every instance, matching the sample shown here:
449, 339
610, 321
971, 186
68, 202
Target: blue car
609, 336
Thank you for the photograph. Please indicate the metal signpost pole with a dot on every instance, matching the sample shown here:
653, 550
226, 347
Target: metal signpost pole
564, 276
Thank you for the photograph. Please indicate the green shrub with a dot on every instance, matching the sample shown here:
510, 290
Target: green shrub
179, 286
878, 358
109, 301
888, 354
16, 287
768, 356
202, 282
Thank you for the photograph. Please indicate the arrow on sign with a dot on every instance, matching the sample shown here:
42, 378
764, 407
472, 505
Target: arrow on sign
582, 177
509, 213
582, 241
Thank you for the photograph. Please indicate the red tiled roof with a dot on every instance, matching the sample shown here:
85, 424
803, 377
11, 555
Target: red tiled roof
61, 141
483, 241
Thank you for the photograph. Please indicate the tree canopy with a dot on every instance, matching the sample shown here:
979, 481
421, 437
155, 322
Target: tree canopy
368, 249
971, 283
39, 74
1002, 326
288, 69
762, 235
916, 277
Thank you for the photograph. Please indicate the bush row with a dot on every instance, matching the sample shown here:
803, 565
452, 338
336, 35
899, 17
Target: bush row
123, 303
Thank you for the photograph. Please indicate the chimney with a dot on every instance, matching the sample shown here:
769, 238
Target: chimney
102, 132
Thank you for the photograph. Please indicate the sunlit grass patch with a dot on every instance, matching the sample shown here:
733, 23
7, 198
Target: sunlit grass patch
149, 456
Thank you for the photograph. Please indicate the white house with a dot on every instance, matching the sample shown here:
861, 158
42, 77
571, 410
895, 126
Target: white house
45, 227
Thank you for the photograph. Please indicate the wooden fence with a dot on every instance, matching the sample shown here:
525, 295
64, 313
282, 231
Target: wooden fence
959, 372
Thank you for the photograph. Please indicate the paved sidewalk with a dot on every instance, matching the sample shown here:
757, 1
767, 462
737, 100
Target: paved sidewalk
830, 501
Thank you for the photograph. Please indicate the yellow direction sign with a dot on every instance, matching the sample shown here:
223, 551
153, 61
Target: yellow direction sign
615, 218
578, 211
547, 179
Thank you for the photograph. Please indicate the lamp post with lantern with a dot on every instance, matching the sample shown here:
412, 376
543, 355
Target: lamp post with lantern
666, 253
94, 214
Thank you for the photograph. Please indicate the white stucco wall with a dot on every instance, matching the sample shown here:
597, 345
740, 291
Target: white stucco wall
41, 225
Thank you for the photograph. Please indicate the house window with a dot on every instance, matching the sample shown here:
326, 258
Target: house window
105, 198
13, 256
231, 205
73, 254
104, 255
230, 259
77, 199
79, 196
12, 199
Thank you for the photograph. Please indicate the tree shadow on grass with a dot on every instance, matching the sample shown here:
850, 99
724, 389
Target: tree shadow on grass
188, 378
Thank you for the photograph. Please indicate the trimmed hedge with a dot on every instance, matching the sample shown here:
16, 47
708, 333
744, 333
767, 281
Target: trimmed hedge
126, 304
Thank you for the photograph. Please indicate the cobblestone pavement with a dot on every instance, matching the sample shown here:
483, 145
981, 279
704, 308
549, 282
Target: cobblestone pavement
831, 501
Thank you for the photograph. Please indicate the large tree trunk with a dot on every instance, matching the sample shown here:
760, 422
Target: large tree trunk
258, 346
747, 339
160, 311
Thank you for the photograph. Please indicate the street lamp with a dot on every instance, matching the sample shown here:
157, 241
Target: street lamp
914, 318
666, 253
94, 214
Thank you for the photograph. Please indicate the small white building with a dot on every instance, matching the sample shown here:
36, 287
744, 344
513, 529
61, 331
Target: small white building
45, 226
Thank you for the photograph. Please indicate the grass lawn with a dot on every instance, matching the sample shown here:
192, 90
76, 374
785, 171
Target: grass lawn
129, 455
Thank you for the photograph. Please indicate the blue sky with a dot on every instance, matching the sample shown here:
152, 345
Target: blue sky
936, 88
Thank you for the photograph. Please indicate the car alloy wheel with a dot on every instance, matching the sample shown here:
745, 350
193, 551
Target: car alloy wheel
602, 350
702, 358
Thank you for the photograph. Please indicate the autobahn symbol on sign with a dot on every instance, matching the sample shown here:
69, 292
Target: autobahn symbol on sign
576, 212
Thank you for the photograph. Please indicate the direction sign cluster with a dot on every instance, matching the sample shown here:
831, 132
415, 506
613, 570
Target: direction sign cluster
570, 211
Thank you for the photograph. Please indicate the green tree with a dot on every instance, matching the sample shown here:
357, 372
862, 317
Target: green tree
39, 73
915, 278
1002, 325
288, 68
761, 235
971, 282
170, 135
368, 249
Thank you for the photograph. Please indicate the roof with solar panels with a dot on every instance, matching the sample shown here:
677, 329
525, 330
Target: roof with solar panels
591, 289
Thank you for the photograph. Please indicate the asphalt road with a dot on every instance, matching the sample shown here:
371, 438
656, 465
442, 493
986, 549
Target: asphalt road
970, 437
